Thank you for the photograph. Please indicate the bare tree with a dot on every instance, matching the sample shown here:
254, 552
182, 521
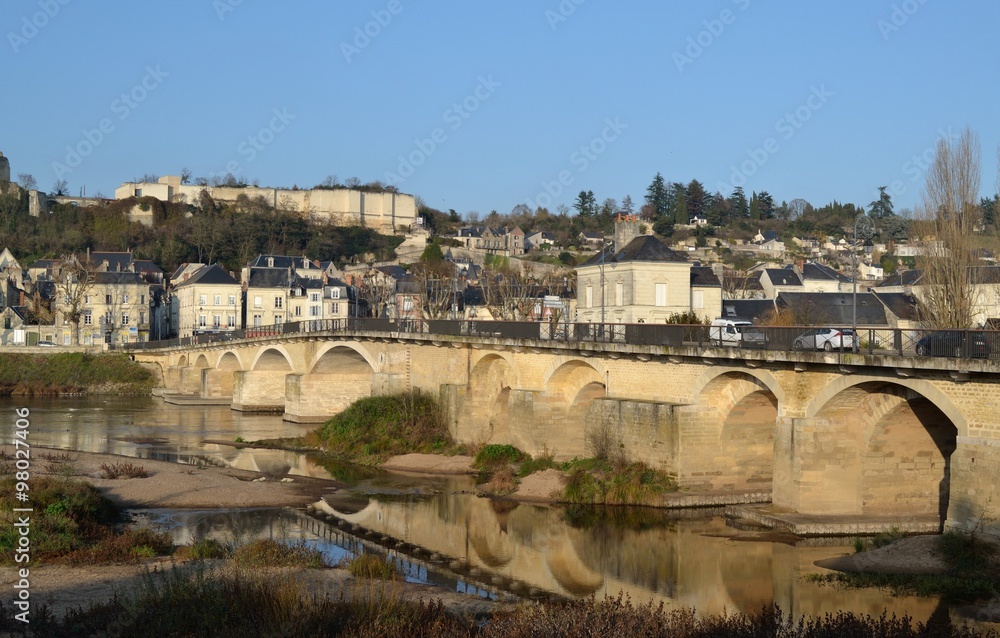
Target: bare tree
951, 217
27, 181
60, 187
508, 293
74, 284
740, 284
439, 287
377, 289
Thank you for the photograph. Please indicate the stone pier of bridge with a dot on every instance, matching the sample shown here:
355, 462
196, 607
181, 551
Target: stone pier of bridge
912, 440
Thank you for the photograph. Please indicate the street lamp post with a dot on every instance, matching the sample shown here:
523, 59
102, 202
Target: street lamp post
864, 227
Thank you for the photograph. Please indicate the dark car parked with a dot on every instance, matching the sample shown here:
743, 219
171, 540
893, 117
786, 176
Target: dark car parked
954, 343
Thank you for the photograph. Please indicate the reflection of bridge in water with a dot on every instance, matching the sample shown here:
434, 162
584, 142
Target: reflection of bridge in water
529, 549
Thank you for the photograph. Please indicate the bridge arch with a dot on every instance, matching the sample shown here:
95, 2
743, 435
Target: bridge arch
229, 361
570, 393
490, 384
890, 447
730, 431
182, 361
566, 381
272, 359
339, 358
202, 361
922, 387
765, 379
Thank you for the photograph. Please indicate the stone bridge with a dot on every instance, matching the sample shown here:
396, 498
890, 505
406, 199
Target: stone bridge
832, 436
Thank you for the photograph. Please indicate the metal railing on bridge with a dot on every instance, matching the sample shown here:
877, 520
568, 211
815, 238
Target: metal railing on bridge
961, 344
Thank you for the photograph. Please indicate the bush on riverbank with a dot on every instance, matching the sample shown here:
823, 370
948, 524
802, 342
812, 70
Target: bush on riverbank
71, 373
72, 522
375, 428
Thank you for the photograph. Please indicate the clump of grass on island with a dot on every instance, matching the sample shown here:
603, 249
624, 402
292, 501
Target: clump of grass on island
376, 428
272, 553
370, 567
71, 372
72, 522
973, 570
590, 481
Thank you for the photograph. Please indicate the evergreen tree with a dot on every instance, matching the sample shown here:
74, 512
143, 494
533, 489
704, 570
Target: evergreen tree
881, 207
681, 211
585, 204
754, 207
766, 204
656, 197
990, 207
628, 208
738, 207
717, 210
697, 198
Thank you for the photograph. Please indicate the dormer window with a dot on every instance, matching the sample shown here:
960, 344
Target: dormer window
270, 262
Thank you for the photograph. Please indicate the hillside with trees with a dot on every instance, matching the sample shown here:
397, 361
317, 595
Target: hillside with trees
230, 233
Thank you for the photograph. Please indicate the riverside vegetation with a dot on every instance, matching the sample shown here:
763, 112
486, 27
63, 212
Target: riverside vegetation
375, 428
242, 603
973, 570
72, 373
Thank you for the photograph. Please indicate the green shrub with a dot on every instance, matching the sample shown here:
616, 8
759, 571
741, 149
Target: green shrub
380, 427
494, 457
965, 552
538, 464
206, 549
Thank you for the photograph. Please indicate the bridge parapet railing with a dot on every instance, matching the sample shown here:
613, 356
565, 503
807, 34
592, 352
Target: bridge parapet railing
962, 344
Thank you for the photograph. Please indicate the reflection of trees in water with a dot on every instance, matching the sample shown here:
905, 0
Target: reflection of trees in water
241, 526
633, 518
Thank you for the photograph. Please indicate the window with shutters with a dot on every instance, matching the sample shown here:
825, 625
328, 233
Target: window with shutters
660, 295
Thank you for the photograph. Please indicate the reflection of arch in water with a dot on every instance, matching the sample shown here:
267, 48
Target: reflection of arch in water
895, 445
571, 574
749, 580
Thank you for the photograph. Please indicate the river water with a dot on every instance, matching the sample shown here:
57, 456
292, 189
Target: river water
689, 557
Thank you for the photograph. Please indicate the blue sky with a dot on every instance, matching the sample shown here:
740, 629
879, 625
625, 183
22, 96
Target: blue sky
479, 106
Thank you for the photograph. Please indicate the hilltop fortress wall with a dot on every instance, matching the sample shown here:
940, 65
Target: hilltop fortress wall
383, 212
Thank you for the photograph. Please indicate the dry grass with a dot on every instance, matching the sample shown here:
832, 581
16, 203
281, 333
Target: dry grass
370, 567
123, 470
501, 483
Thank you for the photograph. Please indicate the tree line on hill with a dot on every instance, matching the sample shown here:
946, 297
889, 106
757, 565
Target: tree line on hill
206, 231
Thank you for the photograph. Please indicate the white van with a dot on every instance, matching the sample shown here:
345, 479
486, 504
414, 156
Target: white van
735, 333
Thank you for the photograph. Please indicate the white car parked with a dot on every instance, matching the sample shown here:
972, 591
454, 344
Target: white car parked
825, 339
